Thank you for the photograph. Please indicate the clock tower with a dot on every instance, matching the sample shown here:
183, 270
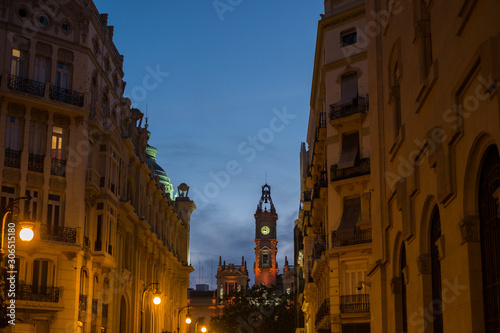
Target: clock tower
265, 267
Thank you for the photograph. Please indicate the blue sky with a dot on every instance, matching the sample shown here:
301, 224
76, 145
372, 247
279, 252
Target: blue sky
230, 104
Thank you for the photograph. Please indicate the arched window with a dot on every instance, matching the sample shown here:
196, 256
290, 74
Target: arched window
404, 311
83, 282
123, 315
490, 238
437, 302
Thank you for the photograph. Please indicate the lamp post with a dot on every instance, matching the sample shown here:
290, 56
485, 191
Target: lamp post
203, 328
26, 234
156, 300
188, 320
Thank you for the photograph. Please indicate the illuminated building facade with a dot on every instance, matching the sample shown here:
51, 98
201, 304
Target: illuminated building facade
334, 226
107, 222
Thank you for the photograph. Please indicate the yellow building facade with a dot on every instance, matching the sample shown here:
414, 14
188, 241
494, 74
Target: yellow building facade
434, 73
335, 216
431, 196
109, 233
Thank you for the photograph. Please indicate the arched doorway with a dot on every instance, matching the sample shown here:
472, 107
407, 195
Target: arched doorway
489, 183
123, 315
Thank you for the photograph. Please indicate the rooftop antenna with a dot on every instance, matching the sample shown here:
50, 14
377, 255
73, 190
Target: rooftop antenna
266, 177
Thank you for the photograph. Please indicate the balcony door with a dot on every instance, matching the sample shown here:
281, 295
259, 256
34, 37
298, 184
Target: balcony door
349, 87
19, 66
41, 69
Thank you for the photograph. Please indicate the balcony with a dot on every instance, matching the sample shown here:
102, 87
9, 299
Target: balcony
58, 167
12, 158
35, 163
25, 292
323, 311
356, 105
23, 85
348, 237
360, 169
57, 233
355, 303
93, 180
66, 96
323, 179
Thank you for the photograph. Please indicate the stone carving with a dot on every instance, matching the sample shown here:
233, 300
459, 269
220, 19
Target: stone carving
396, 285
35, 180
469, 229
57, 184
424, 264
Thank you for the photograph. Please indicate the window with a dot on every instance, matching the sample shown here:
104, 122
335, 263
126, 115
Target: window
423, 35
12, 134
489, 226
348, 37
53, 213
8, 194
57, 143
19, 65
37, 138
98, 238
404, 310
44, 20
349, 87
41, 69
65, 26
349, 156
31, 209
265, 258
437, 301
351, 214
43, 275
62, 78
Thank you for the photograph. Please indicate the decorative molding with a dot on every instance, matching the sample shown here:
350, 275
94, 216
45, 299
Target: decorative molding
16, 109
11, 176
35, 180
39, 114
57, 184
65, 55
60, 120
69, 254
424, 264
44, 49
469, 229
396, 285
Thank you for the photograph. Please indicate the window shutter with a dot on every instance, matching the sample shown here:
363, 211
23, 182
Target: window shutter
351, 214
350, 150
349, 87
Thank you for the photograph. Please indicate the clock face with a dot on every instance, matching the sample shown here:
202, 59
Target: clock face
265, 230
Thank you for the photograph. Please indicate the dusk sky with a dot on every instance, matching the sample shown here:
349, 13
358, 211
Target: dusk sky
227, 87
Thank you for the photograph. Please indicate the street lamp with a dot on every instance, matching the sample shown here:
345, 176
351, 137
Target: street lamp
26, 234
188, 319
203, 328
156, 299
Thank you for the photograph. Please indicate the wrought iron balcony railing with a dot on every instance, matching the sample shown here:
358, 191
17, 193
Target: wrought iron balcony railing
58, 167
25, 292
66, 96
323, 311
21, 84
356, 105
323, 179
57, 233
353, 236
355, 303
35, 163
360, 169
12, 158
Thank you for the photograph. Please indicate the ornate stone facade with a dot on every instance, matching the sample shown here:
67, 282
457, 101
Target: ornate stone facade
108, 231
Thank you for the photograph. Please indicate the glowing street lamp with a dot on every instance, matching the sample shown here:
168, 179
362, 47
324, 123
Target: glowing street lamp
156, 299
188, 318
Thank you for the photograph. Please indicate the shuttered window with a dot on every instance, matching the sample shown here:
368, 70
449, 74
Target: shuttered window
350, 150
351, 213
349, 87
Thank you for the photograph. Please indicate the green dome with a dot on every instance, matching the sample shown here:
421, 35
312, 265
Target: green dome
158, 170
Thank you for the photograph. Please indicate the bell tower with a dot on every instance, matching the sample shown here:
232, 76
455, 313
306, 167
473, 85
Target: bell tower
265, 267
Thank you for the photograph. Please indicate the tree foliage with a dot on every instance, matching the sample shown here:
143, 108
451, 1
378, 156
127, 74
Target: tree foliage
258, 310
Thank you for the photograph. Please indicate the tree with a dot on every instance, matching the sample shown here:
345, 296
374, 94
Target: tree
258, 310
